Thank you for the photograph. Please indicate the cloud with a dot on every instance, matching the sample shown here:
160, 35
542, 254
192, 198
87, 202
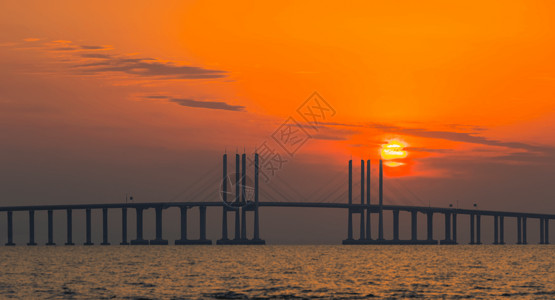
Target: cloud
87, 60
427, 150
88, 47
464, 137
65, 49
95, 55
148, 67
206, 104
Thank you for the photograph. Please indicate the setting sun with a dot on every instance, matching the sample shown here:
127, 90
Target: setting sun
394, 149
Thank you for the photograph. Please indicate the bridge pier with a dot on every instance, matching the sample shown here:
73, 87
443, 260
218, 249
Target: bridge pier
478, 229
350, 212
10, 229
224, 199
454, 228
447, 240
524, 239
256, 238
243, 197
519, 230
50, 229
542, 233
396, 226
139, 239
105, 227
88, 227
362, 236
237, 236
414, 227
202, 212
69, 241
368, 213
202, 239
501, 230
495, 230
546, 231
471, 229
124, 226
380, 216
31, 228
159, 240
430, 226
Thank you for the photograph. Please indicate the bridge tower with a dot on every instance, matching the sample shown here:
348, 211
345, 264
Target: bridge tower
241, 206
363, 209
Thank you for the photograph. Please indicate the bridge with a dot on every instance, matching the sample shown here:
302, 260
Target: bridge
240, 205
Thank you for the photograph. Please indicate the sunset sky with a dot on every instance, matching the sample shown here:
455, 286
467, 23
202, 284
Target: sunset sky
100, 98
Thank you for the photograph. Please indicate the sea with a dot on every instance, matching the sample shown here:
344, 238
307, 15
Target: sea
278, 272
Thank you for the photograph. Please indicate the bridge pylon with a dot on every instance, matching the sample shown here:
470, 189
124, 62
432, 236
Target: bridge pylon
242, 203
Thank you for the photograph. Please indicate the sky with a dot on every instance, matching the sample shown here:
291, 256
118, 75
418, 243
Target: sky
99, 99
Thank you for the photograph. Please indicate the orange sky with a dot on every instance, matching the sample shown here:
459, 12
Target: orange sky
452, 79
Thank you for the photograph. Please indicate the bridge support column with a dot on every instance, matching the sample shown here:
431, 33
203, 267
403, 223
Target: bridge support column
183, 240
524, 239
368, 230
237, 236
471, 229
69, 241
243, 197
159, 240
124, 226
256, 202
380, 216
495, 230
396, 225
350, 211
501, 230
362, 225
10, 229
202, 211
542, 233
519, 230
454, 238
31, 229
88, 227
414, 226
105, 227
546, 223
478, 229
202, 240
224, 199
224, 221
447, 239
430, 226
50, 229
139, 240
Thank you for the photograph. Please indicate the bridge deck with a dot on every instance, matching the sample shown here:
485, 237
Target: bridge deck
373, 208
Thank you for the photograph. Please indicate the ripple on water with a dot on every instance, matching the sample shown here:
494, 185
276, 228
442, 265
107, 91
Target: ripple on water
267, 272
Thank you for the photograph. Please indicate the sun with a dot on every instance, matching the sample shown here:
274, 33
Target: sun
394, 149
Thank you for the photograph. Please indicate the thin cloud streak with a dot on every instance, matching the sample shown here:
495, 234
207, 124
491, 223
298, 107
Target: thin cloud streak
464, 137
207, 104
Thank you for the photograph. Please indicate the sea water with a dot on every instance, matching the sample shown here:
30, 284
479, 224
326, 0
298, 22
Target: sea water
278, 271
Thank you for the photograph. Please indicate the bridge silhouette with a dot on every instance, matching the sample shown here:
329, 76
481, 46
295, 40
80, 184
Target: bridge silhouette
240, 205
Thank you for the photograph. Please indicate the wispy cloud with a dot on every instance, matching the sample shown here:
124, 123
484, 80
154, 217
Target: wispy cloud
207, 104
455, 136
147, 67
96, 59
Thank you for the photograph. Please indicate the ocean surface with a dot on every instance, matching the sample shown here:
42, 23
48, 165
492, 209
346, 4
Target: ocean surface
238, 272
